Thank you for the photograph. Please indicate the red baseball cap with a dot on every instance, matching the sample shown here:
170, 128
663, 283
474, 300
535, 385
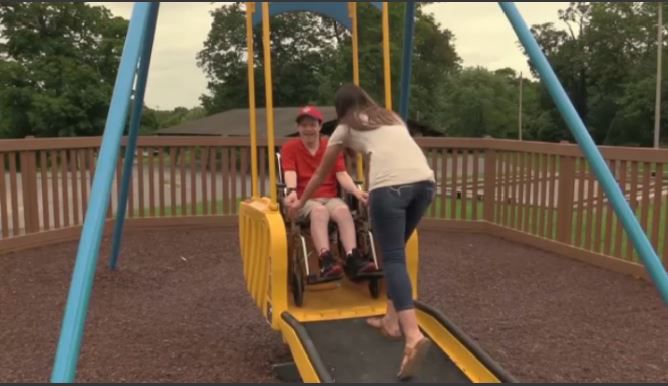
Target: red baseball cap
310, 111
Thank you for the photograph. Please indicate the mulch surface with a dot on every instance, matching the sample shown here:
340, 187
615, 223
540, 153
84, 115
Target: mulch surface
178, 311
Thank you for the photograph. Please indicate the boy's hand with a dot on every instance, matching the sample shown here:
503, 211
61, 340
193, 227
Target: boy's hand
363, 197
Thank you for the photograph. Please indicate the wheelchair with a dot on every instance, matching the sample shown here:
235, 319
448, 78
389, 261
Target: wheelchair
300, 254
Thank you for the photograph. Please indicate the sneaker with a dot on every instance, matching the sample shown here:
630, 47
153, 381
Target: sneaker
357, 265
329, 268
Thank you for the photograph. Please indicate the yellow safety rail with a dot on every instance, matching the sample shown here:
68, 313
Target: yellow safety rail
459, 354
263, 241
386, 56
269, 96
250, 8
352, 12
412, 261
307, 371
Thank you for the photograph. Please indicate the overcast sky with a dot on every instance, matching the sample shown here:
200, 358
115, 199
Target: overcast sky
483, 37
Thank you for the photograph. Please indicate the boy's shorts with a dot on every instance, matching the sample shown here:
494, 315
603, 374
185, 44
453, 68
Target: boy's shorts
330, 203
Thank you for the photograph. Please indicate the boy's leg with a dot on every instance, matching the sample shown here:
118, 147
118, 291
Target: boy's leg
339, 212
356, 264
319, 219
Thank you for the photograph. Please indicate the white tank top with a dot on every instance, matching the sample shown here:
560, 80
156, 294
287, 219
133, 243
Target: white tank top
394, 156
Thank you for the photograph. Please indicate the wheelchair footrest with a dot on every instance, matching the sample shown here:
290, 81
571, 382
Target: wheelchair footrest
367, 276
315, 279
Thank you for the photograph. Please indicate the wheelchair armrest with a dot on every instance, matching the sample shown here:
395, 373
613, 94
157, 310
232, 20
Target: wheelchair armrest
359, 206
281, 190
353, 203
280, 187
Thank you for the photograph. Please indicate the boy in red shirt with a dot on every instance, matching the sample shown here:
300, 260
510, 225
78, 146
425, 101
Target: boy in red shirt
300, 158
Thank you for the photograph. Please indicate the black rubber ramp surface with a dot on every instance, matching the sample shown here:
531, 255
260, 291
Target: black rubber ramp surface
354, 352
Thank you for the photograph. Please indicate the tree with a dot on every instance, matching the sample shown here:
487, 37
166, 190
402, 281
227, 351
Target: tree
302, 47
568, 56
153, 120
434, 60
58, 63
607, 68
312, 57
481, 102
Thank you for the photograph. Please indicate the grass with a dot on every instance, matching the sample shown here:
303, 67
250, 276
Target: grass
441, 207
611, 238
610, 241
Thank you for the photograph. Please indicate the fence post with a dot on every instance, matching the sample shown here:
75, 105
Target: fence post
490, 184
565, 197
28, 169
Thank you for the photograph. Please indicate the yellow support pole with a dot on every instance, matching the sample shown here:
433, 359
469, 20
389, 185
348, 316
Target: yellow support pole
269, 105
386, 55
250, 8
352, 10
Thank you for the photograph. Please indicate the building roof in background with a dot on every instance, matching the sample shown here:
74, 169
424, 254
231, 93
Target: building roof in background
236, 123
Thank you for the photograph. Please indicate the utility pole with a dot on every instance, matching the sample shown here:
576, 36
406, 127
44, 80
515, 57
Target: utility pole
519, 114
659, 50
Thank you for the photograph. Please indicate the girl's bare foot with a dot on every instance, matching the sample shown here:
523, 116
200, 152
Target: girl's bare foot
387, 327
414, 355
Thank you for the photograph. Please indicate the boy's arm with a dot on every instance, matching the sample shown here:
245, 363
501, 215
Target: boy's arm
347, 183
288, 161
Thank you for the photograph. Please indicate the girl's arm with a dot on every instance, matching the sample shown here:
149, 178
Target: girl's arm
325, 167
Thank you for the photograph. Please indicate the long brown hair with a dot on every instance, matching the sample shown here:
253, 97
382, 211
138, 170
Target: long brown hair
351, 101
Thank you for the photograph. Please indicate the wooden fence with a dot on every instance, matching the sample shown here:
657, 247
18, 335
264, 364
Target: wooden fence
538, 190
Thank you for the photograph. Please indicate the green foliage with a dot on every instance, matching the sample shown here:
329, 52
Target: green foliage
606, 60
58, 63
480, 102
152, 120
302, 49
312, 57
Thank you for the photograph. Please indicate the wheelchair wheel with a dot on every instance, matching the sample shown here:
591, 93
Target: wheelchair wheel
297, 272
374, 287
297, 289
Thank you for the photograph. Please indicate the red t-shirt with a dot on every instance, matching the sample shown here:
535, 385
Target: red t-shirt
296, 157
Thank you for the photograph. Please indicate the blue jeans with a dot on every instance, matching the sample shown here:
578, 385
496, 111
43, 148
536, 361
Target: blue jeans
395, 212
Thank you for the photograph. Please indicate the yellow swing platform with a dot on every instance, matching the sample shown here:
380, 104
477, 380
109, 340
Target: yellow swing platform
327, 333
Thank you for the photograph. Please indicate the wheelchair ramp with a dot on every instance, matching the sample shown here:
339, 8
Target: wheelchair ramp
348, 350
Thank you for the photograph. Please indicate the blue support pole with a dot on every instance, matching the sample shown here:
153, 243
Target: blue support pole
133, 132
407, 60
603, 174
69, 343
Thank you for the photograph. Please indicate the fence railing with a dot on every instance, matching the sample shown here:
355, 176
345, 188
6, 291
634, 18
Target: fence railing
545, 190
